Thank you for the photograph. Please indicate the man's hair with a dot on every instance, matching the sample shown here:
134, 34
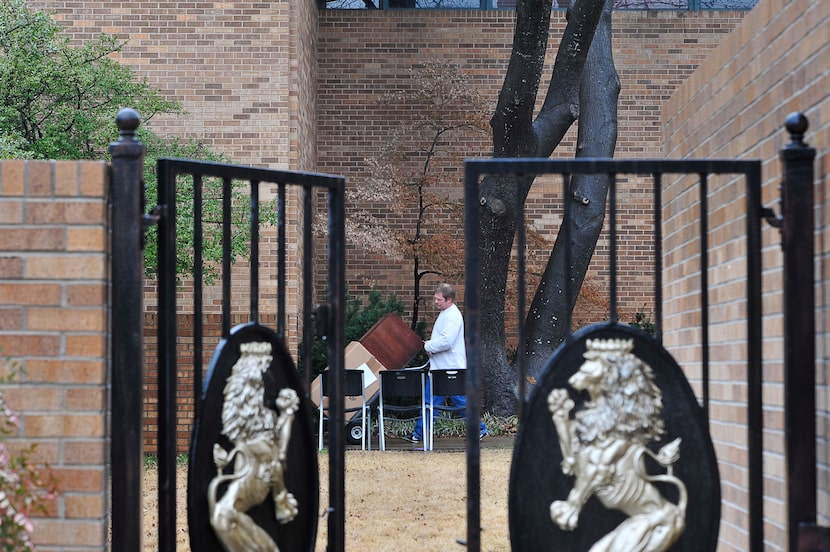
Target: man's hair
446, 290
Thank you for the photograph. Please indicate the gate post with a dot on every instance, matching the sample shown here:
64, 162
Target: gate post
126, 333
799, 328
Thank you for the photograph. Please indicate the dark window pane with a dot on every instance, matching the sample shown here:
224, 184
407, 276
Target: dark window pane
351, 4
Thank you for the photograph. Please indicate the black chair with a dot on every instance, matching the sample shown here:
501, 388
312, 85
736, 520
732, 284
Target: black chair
401, 392
353, 387
444, 383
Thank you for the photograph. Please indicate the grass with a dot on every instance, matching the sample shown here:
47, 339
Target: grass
403, 500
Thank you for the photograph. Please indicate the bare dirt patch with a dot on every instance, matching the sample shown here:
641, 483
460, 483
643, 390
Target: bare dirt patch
395, 500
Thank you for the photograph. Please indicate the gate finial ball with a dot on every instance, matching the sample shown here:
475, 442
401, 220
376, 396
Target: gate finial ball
797, 125
128, 120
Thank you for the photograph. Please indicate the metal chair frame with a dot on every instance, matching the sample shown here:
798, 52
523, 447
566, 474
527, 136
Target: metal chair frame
443, 383
400, 384
354, 386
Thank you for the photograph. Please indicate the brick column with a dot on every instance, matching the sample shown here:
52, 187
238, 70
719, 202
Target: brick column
53, 322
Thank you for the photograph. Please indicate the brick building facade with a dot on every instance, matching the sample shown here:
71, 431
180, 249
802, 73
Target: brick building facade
287, 86
734, 106
301, 89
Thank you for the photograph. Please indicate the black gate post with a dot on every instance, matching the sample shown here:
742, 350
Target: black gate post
126, 333
799, 328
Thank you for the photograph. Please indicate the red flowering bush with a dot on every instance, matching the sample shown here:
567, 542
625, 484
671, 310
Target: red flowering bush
25, 488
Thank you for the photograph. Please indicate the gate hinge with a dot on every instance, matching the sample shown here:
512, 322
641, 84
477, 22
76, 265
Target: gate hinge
151, 219
776, 221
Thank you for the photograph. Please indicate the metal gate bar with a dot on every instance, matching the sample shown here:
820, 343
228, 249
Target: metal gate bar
751, 171
169, 169
612, 223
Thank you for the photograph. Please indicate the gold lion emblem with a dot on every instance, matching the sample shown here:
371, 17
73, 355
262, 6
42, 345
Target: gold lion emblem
260, 438
604, 445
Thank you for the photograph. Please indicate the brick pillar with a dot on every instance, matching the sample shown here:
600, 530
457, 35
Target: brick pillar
53, 321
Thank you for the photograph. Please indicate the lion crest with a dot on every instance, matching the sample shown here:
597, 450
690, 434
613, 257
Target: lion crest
260, 437
603, 445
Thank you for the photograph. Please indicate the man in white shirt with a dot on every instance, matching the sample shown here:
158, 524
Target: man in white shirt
446, 351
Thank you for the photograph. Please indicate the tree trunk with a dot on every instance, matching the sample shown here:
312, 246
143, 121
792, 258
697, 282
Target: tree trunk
597, 137
516, 134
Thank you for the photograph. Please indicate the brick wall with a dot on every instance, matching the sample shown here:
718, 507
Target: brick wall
245, 73
53, 323
363, 55
185, 391
230, 64
734, 106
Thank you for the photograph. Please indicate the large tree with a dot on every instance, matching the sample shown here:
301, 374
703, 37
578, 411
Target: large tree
583, 87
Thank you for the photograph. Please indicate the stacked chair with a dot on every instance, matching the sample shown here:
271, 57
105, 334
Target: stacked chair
353, 387
443, 383
401, 392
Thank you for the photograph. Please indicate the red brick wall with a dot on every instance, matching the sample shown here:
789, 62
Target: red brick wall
53, 324
734, 106
246, 76
186, 391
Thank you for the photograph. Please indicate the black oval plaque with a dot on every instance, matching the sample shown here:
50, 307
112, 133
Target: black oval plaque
587, 482
253, 462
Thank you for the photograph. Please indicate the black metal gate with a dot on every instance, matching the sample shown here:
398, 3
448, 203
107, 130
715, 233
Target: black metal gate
751, 172
128, 221
796, 224
127, 320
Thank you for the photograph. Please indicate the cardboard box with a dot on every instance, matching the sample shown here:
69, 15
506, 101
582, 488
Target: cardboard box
392, 342
357, 357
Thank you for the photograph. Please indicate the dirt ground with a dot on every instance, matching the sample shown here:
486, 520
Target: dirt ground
395, 500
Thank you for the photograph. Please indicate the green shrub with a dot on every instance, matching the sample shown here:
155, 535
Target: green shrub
643, 322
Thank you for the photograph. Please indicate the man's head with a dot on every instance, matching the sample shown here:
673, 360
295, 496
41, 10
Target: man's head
444, 296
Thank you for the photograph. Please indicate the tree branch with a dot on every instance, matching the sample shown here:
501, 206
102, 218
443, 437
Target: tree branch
561, 106
512, 119
597, 137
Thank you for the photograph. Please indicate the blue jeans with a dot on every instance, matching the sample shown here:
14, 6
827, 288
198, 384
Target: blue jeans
459, 401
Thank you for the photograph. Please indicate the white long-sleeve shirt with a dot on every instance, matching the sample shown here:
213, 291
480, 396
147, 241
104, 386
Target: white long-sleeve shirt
446, 342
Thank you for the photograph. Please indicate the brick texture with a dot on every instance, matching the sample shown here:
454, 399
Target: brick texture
364, 55
53, 325
282, 85
734, 106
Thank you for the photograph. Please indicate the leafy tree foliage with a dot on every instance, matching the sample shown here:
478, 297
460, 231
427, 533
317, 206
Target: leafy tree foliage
211, 210
58, 100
